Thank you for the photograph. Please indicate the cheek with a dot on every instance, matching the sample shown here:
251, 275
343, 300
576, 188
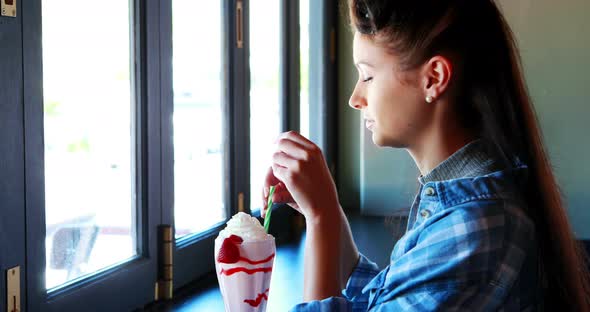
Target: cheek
398, 111
391, 104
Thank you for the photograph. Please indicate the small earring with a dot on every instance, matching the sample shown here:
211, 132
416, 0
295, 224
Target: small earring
429, 99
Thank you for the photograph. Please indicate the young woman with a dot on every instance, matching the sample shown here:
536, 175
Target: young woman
487, 230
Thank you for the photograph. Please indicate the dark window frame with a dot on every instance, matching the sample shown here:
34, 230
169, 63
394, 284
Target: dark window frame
152, 23
135, 277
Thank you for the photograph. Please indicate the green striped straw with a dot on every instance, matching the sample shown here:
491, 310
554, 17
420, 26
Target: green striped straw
269, 210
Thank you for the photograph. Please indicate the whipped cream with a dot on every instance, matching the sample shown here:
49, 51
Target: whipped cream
245, 226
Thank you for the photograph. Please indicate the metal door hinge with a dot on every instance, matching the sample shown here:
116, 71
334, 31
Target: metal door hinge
13, 289
239, 24
164, 286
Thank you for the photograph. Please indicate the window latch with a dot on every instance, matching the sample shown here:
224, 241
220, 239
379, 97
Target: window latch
239, 24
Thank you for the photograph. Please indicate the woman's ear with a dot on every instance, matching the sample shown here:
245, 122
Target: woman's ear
437, 74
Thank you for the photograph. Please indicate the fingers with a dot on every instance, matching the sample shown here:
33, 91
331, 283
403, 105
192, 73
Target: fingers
294, 149
282, 173
283, 197
264, 202
269, 180
281, 194
283, 160
298, 138
293, 152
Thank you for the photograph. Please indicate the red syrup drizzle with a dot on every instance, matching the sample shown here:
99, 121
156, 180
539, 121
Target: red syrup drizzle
230, 253
258, 301
235, 270
259, 261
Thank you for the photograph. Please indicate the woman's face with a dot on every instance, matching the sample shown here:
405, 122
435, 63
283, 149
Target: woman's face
392, 101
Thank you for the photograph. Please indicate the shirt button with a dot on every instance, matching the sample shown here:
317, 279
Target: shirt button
425, 213
429, 191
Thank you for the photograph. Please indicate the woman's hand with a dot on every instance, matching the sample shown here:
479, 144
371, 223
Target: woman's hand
303, 181
301, 178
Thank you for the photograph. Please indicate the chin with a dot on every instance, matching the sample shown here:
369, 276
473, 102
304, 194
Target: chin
382, 141
377, 140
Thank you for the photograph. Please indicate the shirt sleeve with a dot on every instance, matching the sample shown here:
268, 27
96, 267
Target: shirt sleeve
362, 274
353, 299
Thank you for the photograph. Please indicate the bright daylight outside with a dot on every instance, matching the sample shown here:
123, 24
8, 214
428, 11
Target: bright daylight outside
198, 84
89, 138
264, 86
265, 118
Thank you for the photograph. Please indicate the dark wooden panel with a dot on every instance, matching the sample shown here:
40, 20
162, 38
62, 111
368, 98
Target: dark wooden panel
289, 65
34, 154
322, 80
166, 111
12, 212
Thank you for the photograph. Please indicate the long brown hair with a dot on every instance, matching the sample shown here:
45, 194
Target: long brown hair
493, 101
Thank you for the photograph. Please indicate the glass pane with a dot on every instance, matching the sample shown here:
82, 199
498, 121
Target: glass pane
265, 118
198, 115
304, 66
89, 138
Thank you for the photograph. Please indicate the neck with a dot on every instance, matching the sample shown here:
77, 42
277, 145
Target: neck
438, 144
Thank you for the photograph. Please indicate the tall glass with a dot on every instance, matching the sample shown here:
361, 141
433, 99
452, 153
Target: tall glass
243, 271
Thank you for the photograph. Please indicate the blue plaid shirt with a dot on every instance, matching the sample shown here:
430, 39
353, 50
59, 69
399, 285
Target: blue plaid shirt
468, 247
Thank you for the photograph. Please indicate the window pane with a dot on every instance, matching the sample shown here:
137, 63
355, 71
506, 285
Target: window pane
304, 66
198, 115
265, 118
89, 138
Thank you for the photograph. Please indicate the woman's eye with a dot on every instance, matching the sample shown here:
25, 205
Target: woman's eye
368, 79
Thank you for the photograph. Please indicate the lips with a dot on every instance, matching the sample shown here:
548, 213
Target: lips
369, 124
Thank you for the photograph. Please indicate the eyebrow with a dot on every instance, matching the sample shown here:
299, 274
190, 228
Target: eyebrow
364, 63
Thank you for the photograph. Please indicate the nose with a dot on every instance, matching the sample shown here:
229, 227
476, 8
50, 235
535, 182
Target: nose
357, 101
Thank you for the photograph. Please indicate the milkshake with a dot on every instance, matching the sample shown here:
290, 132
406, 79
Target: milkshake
244, 255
